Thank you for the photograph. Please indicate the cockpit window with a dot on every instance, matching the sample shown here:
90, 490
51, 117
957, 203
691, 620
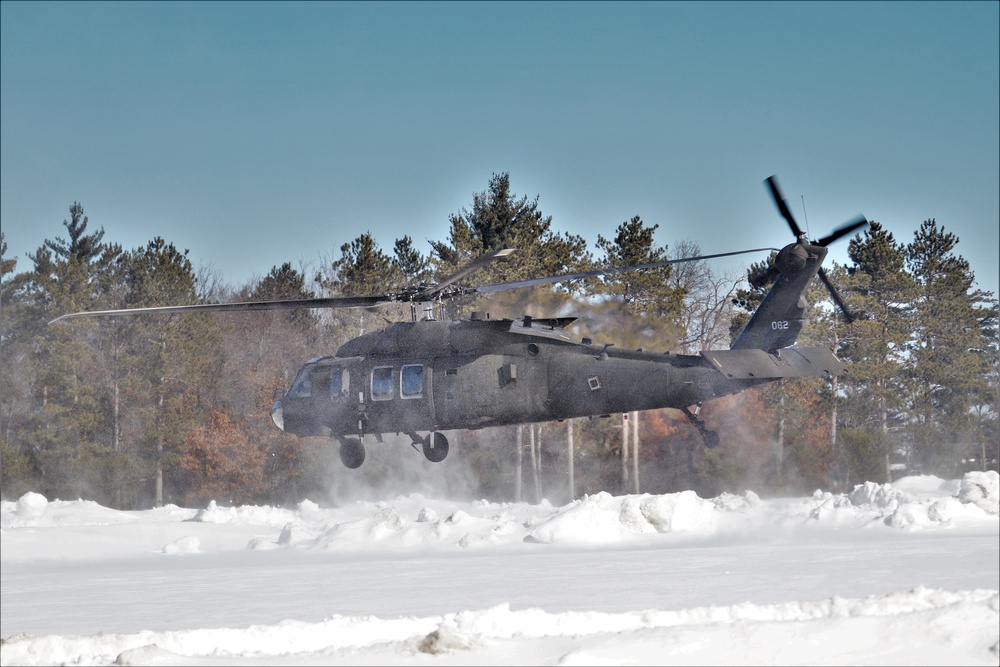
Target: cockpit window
382, 383
302, 387
411, 381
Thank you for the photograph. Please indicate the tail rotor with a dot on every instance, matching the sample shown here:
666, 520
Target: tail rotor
844, 230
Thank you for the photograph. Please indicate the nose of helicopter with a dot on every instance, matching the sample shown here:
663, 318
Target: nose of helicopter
277, 415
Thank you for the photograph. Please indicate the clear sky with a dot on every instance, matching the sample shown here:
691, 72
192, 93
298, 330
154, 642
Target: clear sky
255, 134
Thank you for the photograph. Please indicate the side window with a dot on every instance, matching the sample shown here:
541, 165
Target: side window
339, 381
411, 381
382, 383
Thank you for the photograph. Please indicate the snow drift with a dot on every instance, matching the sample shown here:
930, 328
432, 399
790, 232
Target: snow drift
906, 572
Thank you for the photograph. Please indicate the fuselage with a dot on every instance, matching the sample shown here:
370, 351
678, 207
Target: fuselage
435, 376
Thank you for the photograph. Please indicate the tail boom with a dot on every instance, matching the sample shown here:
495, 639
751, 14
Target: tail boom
778, 320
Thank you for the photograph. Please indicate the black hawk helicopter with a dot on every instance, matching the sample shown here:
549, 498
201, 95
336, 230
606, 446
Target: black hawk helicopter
429, 376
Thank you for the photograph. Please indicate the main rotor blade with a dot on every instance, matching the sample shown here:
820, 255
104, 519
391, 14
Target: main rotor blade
779, 200
856, 222
603, 272
471, 267
295, 304
835, 295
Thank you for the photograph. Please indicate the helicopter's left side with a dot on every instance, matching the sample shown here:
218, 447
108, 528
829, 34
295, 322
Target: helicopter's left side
438, 376
425, 376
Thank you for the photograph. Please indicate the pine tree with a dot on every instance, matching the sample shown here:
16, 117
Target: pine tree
832, 328
69, 432
414, 266
883, 293
646, 313
261, 353
363, 269
17, 470
165, 366
948, 361
498, 220
641, 292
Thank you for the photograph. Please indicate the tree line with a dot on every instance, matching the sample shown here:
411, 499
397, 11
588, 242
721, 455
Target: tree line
138, 411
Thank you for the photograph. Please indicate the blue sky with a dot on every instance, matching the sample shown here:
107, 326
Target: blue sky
255, 134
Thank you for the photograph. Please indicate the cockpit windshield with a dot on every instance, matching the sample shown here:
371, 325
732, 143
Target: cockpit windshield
331, 381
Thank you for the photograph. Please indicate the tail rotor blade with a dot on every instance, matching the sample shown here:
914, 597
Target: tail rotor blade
779, 200
835, 295
855, 223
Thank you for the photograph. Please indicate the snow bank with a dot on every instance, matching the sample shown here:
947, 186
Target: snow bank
981, 489
185, 545
933, 624
257, 515
32, 509
922, 505
952, 620
912, 503
605, 518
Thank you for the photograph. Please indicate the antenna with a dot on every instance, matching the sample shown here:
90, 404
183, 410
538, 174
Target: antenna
805, 217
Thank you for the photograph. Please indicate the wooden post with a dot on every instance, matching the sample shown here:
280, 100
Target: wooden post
536, 459
635, 450
569, 456
520, 463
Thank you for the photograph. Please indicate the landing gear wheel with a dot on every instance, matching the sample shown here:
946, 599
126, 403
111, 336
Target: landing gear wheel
352, 453
711, 439
436, 447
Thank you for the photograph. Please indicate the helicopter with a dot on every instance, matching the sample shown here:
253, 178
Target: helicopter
428, 375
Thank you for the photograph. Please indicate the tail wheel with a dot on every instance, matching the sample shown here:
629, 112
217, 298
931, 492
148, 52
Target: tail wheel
436, 447
711, 439
352, 453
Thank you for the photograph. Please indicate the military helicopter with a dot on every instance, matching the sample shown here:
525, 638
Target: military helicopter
428, 375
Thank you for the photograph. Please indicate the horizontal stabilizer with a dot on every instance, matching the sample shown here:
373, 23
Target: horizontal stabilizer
788, 362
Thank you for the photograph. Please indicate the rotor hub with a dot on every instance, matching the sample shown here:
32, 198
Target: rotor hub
791, 259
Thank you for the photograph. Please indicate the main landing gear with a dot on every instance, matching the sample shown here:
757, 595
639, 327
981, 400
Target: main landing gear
434, 446
352, 452
709, 438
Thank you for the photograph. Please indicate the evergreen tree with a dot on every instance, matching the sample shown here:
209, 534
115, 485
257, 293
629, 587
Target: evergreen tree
948, 361
883, 294
261, 353
414, 266
641, 292
7, 268
165, 369
644, 309
987, 406
16, 371
67, 431
363, 269
830, 327
498, 220
282, 283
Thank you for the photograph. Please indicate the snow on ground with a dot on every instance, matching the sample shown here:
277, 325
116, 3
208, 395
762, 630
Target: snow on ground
907, 573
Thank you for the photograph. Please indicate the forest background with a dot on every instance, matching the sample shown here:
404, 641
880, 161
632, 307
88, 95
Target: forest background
133, 412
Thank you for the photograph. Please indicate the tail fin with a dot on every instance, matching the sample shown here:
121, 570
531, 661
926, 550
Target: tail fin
778, 320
